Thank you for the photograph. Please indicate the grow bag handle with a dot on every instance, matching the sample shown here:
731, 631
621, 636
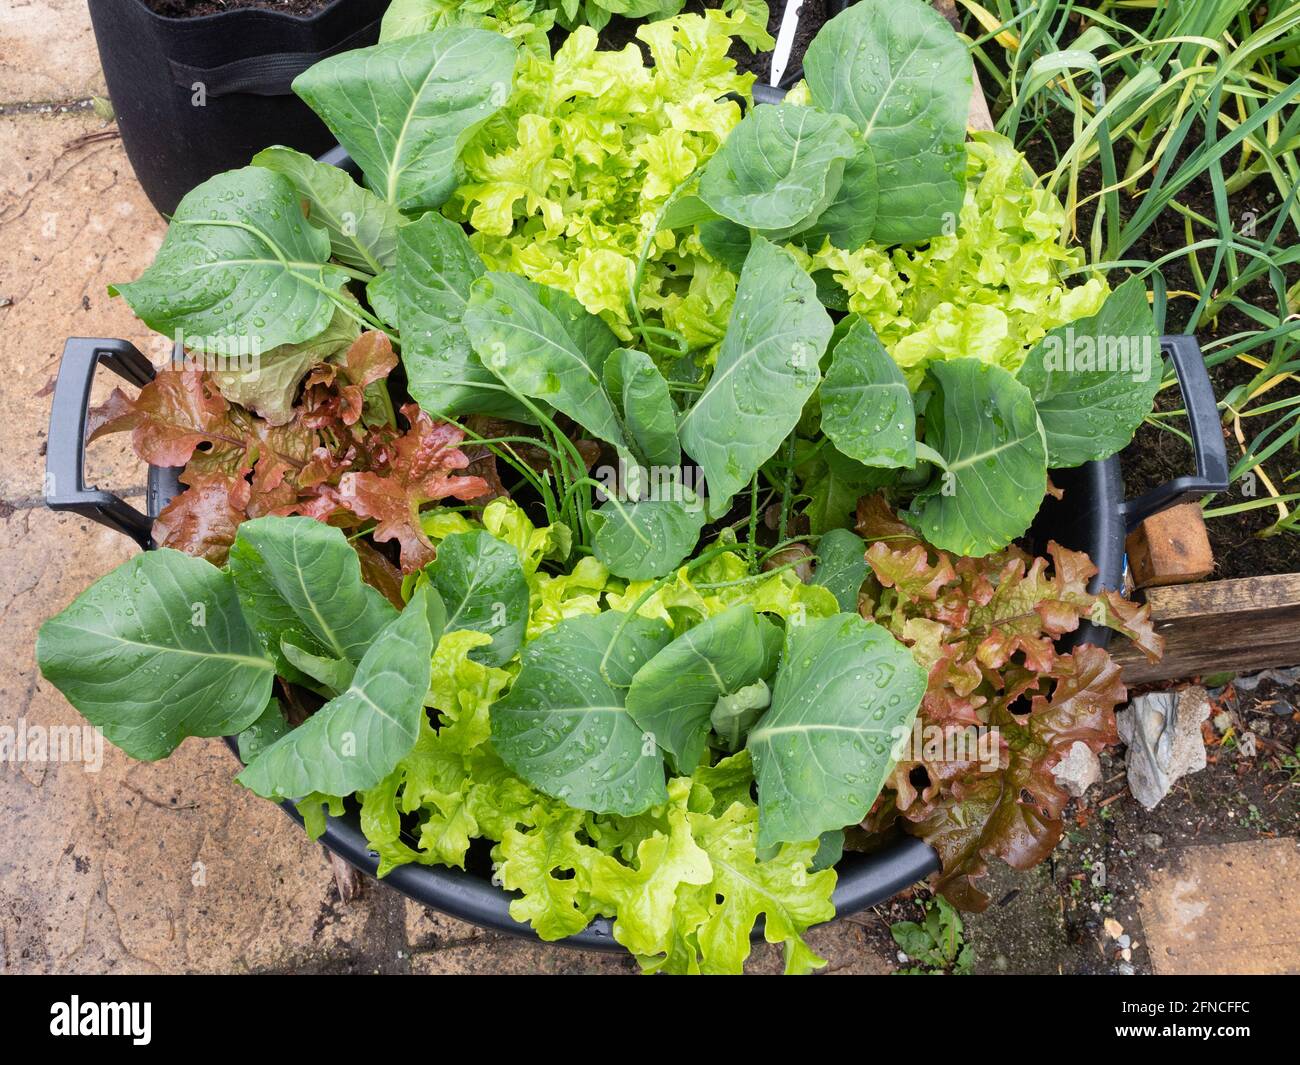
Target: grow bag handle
65, 452
262, 75
1207, 436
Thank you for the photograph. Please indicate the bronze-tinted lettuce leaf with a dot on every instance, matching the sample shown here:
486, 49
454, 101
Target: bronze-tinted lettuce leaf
1014, 813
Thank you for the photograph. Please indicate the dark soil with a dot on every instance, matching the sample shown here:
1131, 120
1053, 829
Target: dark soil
197, 8
1156, 455
811, 18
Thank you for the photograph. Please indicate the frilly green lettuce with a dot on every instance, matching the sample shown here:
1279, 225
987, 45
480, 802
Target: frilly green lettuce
563, 185
528, 20
683, 881
568, 595
990, 290
314, 808
463, 689
523, 20
720, 583
506, 521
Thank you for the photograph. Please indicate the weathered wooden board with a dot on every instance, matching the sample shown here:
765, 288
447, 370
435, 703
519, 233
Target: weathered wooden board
1223, 626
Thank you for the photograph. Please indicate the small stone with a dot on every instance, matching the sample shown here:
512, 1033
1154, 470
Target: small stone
1246, 745
1222, 721
903, 958
1153, 840
1123, 942
1158, 756
1113, 928
1078, 770
1282, 708
1124, 969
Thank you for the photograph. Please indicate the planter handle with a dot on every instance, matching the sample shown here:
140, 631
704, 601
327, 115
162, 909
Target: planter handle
1207, 436
264, 75
65, 452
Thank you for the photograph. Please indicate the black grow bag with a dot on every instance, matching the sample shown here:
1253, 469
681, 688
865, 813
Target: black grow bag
244, 59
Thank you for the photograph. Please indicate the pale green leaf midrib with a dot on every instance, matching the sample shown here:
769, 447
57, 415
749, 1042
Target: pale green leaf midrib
746, 356
896, 71
476, 581
332, 636
763, 733
225, 656
989, 453
599, 708
395, 171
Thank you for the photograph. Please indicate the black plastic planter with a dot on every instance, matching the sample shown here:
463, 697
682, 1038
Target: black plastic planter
1092, 516
198, 96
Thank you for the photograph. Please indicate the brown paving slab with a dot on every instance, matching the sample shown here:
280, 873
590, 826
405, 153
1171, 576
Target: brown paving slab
427, 929
501, 955
1227, 908
843, 944
47, 52
162, 867
72, 219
